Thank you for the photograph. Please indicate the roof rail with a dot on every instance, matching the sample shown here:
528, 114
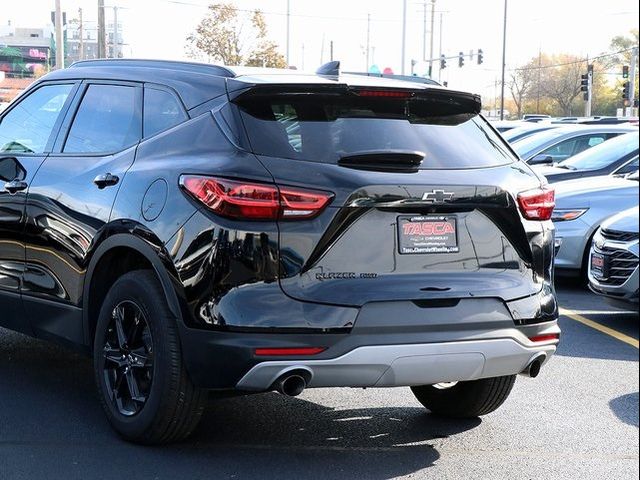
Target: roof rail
170, 64
330, 69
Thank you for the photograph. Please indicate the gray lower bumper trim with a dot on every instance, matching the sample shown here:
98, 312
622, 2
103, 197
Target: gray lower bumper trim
405, 365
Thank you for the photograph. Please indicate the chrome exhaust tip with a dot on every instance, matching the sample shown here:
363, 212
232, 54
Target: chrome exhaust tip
532, 370
292, 383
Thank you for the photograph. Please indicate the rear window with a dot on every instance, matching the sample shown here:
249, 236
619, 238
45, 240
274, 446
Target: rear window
326, 127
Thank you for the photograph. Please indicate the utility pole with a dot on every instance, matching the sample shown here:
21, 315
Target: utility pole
404, 36
81, 32
368, 41
632, 83
102, 47
288, 29
331, 51
539, 78
115, 33
587, 104
440, 49
433, 12
424, 30
504, 59
59, 42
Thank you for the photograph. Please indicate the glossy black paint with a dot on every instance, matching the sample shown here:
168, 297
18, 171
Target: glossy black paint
236, 285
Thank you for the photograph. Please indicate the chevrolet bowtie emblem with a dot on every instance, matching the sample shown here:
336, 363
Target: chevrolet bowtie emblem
437, 196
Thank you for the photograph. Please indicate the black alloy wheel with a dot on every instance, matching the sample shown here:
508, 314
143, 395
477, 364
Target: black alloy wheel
128, 358
142, 381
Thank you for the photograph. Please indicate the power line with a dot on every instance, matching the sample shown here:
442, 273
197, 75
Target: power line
584, 60
284, 14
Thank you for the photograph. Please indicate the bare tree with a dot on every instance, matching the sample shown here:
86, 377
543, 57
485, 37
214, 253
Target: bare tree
226, 36
560, 80
521, 83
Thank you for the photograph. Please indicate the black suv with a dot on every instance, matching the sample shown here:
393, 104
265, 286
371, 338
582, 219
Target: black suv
199, 228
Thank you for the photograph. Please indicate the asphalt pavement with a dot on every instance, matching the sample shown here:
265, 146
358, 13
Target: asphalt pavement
578, 419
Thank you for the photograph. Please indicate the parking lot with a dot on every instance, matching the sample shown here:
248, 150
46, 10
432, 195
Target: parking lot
578, 419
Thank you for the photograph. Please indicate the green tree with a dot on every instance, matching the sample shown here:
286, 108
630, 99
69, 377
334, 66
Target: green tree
622, 42
224, 35
604, 99
618, 43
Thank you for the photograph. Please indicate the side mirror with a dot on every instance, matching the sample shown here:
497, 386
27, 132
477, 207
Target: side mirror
11, 169
541, 159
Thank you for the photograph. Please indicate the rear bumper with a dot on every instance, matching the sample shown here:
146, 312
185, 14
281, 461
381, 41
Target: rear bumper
391, 344
406, 365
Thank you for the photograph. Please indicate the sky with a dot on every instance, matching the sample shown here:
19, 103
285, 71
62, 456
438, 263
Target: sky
158, 29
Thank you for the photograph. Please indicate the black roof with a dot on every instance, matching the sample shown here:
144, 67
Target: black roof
196, 83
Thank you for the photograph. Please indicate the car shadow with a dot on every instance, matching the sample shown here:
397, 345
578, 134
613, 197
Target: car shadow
51, 421
625, 408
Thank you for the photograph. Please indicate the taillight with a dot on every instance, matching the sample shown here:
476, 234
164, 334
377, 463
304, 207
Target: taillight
254, 201
537, 204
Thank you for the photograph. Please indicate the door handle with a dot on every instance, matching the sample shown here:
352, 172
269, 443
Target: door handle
15, 186
106, 180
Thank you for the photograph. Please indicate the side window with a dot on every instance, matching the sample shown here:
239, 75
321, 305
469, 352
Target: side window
597, 140
161, 111
28, 126
561, 150
107, 120
630, 167
587, 141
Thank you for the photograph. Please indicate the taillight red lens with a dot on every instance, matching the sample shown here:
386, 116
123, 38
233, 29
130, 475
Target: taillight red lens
255, 201
537, 204
552, 337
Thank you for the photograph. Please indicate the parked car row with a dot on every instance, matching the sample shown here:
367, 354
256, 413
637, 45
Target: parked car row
594, 169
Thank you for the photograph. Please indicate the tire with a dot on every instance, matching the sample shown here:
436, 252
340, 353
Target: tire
143, 356
466, 399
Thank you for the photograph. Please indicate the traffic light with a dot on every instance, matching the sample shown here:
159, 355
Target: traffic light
461, 59
625, 90
480, 56
625, 71
443, 62
584, 82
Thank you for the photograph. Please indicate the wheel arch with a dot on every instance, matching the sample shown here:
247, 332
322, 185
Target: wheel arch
133, 252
